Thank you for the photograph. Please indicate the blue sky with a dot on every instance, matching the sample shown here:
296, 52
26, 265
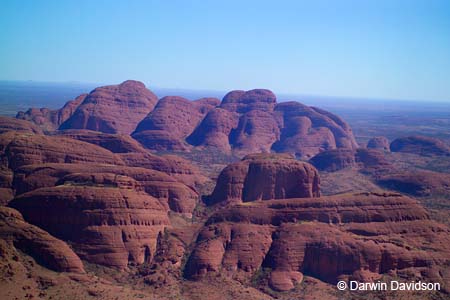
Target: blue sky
378, 49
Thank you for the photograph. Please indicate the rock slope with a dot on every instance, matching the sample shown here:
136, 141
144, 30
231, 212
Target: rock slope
244, 122
48, 119
47, 250
113, 108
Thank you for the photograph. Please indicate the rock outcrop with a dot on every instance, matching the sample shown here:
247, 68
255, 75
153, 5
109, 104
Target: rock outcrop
48, 119
108, 225
172, 120
266, 176
338, 159
116, 143
11, 124
307, 131
331, 238
245, 122
19, 149
113, 108
171, 193
44, 248
420, 145
379, 143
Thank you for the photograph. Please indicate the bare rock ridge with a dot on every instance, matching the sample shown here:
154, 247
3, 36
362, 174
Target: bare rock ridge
50, 120
420, 145
172, 120
113, 108
116, 143
266, 176
171, 193
112, 226
338, 159
330, 238
349, 236
11, 124
243, 122
30, 161
44, 248
252, 121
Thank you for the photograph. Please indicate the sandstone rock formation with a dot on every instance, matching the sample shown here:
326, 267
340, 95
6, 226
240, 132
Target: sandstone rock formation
50, 120
266, 176
11, 124
19, 149
307, 131
116, 143
331, 238
173, 165
113, 108
171, 193
244, 122
6, 186
172, 120
338, 159
420, 145
172, 179
111, 226
379, 143
44, 248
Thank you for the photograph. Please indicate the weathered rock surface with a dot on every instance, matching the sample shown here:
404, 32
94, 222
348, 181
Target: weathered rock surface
19, 149
245, 122
11, 124
170, 192
214, 130
113, 108
266, 176
111, 226
306, 131
338, 159
172, 120
44, 248
6, 186
330, 238
49, 120
116, 143
334, 160
173, 165
420, 145
379, 143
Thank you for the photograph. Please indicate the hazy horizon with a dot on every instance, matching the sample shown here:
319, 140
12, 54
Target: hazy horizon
370, 49
21, 95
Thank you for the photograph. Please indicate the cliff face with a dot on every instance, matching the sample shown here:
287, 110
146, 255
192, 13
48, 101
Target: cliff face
112, 226
266, 176
353, 236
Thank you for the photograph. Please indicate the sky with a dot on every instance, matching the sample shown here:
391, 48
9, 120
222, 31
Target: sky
374, 49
